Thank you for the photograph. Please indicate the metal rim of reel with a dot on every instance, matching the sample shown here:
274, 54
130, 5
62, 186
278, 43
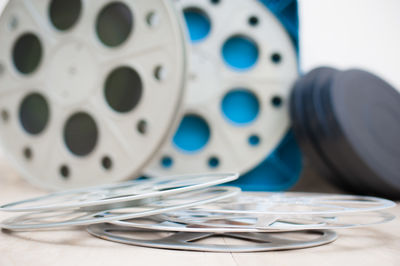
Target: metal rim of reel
187, 241
86, 216
119, 193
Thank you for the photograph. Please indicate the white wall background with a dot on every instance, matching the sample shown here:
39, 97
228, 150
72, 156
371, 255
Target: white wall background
352, 33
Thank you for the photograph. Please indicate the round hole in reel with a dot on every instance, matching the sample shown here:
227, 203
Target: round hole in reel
142, 127
64, 14
167, 161
240, 52
27, 53
64, 172
5, 116
276, 101
34, 113
254, 140
80, 134
213, 162
28, 154
253, 21
198, 23
123, 89
240, 106
276, 58
160, 73
106, 162
114, 24
152, 19
193, 133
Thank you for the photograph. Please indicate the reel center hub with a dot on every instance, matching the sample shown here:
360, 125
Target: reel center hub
72, 72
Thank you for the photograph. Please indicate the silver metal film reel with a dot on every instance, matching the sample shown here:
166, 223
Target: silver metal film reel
215, 133
187, 221
297, 204
272, 212
90, 89
132, 209
188, 241
100, 197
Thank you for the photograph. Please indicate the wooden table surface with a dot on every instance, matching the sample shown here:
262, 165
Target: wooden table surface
377, 245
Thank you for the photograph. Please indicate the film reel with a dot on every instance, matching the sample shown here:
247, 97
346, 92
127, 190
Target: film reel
104, 197
240, 74
299, 204
196, 222
187, 241
132, 209
90, 88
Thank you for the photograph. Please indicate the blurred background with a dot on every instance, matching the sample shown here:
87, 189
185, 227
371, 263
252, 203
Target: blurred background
347, 34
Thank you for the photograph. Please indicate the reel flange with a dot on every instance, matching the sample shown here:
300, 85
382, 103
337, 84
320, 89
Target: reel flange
242, 64
90, 88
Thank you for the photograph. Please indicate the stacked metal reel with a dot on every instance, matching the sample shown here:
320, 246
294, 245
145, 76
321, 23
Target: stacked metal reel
90, 89
242, 64
178, 211
347, 123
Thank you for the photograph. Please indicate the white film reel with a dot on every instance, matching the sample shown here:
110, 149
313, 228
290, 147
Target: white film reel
297, 204
187, 221
86, 216
272, 212
90, 88
253, 242
103, 197
240, 57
